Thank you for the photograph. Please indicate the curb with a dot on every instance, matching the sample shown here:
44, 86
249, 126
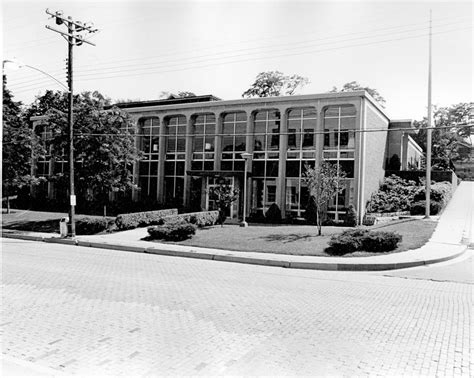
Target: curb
240, 259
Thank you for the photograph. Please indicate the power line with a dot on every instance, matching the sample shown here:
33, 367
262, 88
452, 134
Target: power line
99, 76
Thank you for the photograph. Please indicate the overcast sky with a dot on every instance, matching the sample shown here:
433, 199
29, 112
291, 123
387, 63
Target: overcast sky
218, 47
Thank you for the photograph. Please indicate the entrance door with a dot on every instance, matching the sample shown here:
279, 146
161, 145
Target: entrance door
213, 182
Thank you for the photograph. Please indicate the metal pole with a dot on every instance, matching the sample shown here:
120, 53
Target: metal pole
72, 197
244, 223
428, 135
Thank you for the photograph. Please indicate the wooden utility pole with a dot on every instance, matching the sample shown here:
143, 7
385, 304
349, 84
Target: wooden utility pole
73, 39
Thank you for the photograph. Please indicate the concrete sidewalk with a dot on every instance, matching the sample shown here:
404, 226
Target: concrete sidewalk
452, 236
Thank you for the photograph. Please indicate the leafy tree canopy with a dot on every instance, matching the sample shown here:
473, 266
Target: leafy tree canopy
275, 83
180, 94
18, 146
451, 129
104, 146
355, 86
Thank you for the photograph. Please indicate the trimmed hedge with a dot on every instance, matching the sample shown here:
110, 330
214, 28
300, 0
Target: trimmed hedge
273, 214
200, 219
175, 229
363, 240
146, 218
92, 225
418, 208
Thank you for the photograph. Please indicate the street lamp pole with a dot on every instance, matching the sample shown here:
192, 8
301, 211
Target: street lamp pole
428, 137
246, 156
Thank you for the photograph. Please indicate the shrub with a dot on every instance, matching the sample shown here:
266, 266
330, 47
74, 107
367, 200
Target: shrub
91, 226
200, 219
350, 220
147, 218
273, 215
172, 230
395, 194
348, 241
363, 240
440, 192
418, 208
380, 241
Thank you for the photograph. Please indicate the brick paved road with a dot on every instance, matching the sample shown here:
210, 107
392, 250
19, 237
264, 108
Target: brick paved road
92, 311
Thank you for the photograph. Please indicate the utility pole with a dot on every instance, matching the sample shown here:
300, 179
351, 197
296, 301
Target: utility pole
73, 39
428, 136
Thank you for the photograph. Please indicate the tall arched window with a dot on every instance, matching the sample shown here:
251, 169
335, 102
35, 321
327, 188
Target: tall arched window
233, 141
149, 130
175, 159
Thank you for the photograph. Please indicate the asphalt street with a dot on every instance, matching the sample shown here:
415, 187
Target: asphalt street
77, 310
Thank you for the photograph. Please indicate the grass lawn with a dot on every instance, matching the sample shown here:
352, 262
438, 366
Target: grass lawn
301, 240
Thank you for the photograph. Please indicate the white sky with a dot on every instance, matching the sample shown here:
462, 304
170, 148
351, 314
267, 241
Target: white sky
218, 47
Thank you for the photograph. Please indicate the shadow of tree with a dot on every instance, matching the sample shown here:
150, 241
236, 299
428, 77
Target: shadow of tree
287, 238
36, 226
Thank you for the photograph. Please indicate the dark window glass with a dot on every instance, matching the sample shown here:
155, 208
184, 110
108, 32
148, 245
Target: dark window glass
293, 169
344, 138
239, 166
292, 138
275, 141
154, 168
348, 167
196, 165
180, 168
153, 187
143, 167
226, 165
169, 168
308, 138
326, 138
258, 168
348, 110
208, 165
272, 168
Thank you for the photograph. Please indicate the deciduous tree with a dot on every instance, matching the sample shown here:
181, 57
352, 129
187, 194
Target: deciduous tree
355, 86
324, 182
223, 195
19, 143
275, 83
104, 145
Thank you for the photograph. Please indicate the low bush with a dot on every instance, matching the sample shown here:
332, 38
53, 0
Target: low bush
200, 219
363, 240
93, 225
175, 229
380, 241
146, 218
440, 192
418, 208
273, 215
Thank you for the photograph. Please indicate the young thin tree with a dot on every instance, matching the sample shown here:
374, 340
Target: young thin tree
324, 182
223, 195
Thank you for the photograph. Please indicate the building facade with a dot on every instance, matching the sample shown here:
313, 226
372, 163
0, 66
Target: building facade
192, 144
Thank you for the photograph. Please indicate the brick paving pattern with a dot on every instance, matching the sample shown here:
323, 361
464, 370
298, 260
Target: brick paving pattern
91, 311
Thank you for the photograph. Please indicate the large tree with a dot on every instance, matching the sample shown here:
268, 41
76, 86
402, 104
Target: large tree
19, 143
451, 128
275, 83
355, 86
324, 182
104, 144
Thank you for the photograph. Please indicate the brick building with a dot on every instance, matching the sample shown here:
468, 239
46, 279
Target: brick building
190, 144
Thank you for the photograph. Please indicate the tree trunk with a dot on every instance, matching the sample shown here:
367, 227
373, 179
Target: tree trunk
105, 211
8, 204
318, 221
